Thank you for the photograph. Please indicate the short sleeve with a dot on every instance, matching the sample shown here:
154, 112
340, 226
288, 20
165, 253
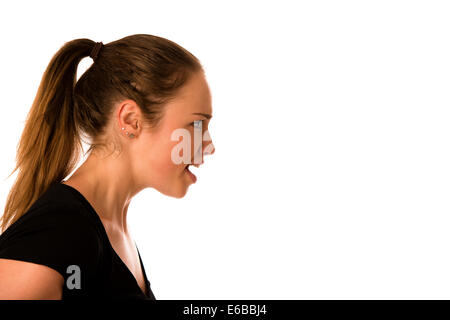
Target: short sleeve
56, 236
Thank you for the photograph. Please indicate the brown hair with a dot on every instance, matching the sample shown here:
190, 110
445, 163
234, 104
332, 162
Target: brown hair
145, 68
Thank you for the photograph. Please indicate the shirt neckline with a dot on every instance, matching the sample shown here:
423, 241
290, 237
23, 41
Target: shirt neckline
105, 234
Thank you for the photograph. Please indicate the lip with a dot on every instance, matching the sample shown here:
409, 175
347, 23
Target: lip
192, 164
190, 174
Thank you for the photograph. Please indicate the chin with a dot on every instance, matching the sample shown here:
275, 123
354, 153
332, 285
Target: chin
179, 196
178, 193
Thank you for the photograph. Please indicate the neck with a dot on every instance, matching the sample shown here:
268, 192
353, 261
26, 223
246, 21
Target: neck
107, 184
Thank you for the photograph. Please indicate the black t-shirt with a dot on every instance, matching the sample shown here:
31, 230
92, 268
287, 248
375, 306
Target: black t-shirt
62, 230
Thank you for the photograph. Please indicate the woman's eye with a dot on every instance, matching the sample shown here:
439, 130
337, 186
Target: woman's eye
196, 124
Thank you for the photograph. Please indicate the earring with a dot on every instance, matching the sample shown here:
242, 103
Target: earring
126, 132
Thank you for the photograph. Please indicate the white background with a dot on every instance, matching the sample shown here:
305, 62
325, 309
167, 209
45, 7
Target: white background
331, 174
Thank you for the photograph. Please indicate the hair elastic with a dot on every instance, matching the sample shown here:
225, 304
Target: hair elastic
96, 50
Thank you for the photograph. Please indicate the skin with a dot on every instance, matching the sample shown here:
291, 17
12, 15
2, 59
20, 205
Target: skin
109, 182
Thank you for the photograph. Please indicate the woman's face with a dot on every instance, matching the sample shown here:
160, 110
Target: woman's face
158, 153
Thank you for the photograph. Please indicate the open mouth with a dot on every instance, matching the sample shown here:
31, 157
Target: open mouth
189, 173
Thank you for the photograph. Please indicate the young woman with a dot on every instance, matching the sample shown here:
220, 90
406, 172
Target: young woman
68, 239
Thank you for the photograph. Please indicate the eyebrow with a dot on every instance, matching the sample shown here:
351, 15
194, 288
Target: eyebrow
207, 116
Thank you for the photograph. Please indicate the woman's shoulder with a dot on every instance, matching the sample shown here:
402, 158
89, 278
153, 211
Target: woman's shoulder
56, 231
57, 207
58, 197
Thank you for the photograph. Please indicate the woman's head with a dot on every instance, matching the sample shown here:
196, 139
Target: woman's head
148, 85
153, 151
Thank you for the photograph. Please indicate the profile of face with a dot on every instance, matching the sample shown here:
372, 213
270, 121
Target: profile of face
152, 151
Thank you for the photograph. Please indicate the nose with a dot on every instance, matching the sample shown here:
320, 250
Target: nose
208, 148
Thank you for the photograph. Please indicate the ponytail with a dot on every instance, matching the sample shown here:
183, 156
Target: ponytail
49, 146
